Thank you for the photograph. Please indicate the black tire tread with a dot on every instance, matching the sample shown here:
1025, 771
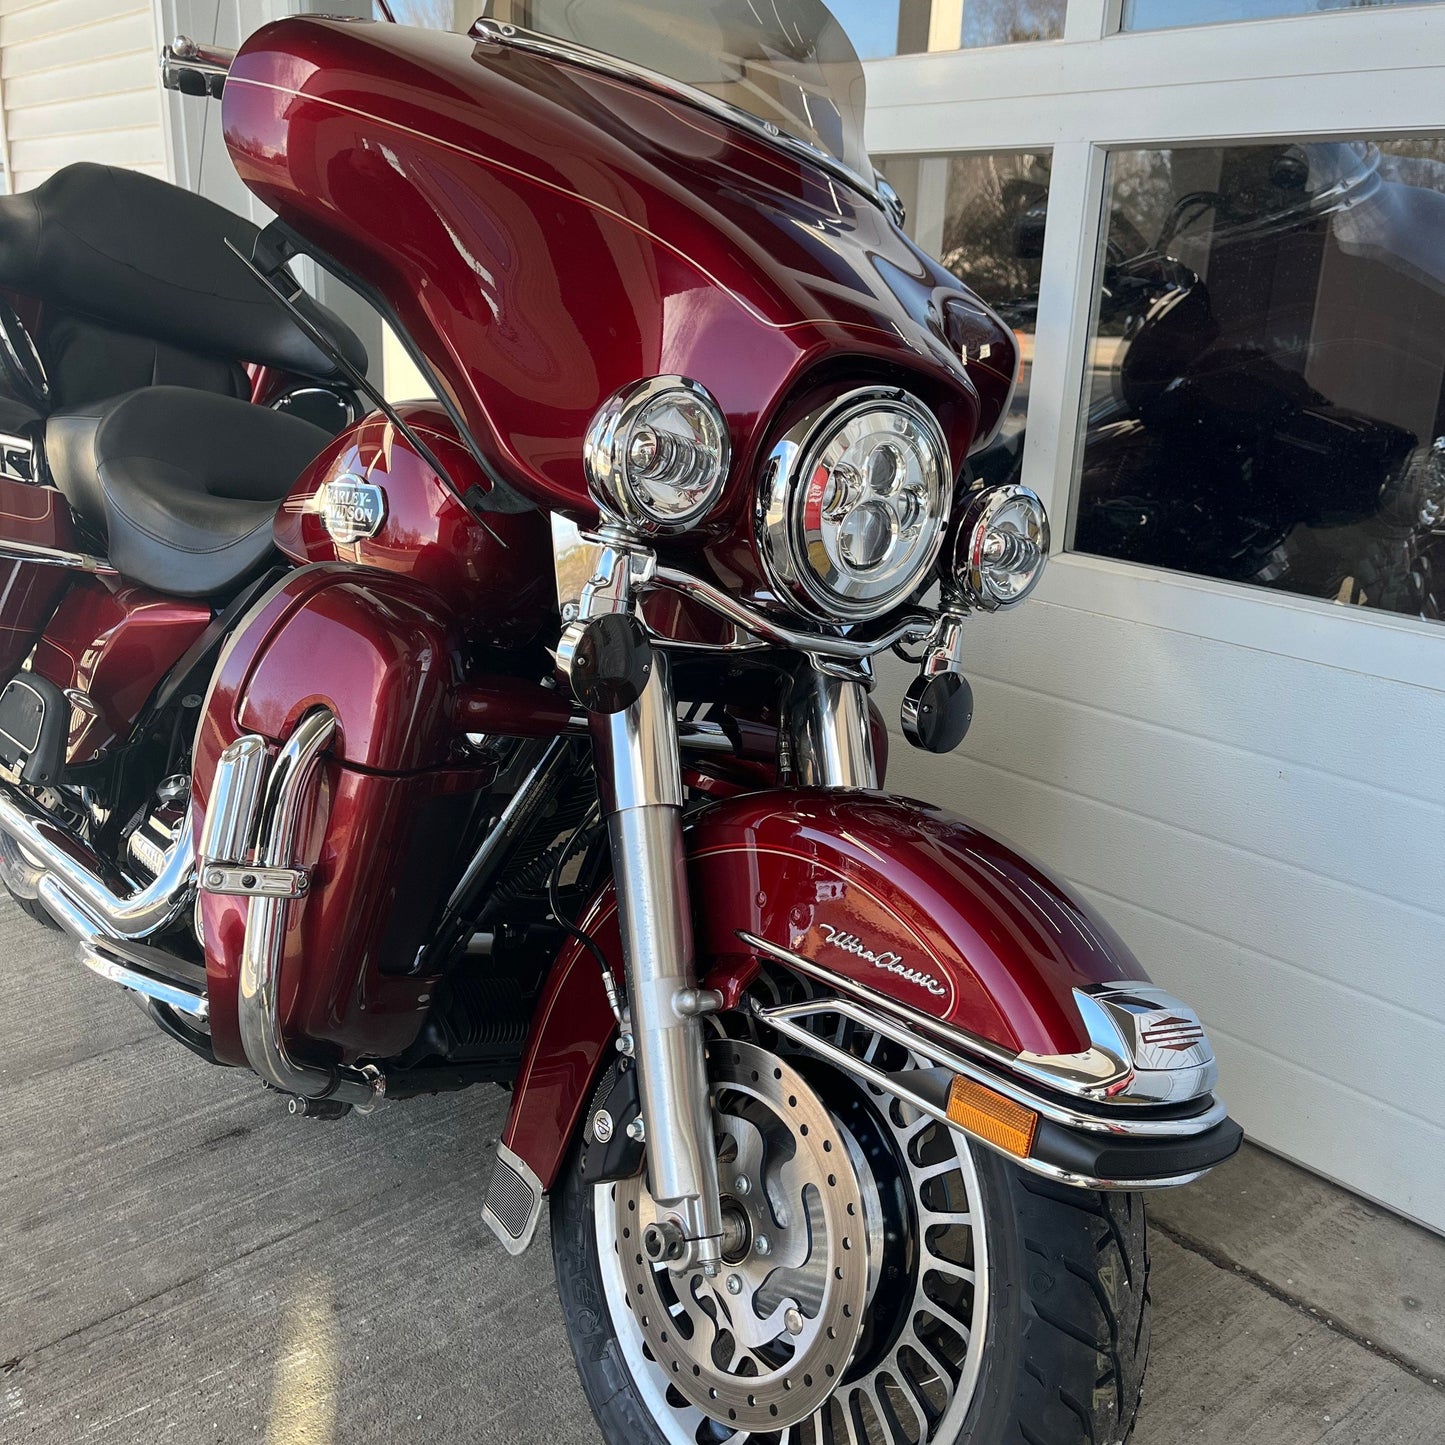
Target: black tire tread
1068, 1340
35, 908
1086, 1314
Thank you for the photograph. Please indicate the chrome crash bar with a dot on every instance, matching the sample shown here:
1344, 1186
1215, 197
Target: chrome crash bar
96, 908
271, 802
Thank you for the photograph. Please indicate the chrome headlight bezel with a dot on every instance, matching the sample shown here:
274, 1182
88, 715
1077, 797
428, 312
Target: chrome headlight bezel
607, 447
795, 535
994, 520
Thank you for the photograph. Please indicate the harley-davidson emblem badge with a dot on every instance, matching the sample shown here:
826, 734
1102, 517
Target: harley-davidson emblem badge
351, 508
1172, 1033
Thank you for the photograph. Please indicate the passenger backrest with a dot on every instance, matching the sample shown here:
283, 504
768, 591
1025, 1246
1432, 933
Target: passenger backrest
140, 258
88, 362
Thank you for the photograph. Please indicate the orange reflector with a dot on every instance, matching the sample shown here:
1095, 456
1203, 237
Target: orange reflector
992, 1117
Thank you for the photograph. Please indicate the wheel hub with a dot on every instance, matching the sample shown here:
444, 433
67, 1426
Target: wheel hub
762, 1344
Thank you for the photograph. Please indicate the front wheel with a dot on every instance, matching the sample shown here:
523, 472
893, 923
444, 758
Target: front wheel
884, 1283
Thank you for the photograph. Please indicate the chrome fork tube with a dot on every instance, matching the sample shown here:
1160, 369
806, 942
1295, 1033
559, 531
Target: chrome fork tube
640, 783
831, 733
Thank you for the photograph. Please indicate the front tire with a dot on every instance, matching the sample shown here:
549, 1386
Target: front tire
1064, 1308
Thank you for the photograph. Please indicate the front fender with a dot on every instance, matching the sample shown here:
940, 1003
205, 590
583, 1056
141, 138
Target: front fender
899, 897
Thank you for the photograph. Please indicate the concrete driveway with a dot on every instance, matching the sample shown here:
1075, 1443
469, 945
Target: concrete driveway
182, 1261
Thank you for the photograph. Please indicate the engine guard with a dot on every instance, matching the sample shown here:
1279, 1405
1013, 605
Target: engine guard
938, 935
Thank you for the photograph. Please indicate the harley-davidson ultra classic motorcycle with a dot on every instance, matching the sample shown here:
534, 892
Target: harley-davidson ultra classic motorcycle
525, 735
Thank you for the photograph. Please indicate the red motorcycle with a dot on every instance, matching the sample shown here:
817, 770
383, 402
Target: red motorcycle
525, 736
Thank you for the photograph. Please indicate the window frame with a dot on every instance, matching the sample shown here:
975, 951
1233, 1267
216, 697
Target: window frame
1334, 74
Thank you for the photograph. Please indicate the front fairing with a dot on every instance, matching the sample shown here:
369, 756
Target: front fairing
547, 234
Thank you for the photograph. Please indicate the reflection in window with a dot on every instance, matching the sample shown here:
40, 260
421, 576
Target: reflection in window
438, 14
1266, 383
1161, 14
876, 27
910, 27
983, 215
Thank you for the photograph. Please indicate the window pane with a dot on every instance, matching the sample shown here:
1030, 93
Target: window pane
909, 27
983, 215
1266, 389
876, 27
1161, 14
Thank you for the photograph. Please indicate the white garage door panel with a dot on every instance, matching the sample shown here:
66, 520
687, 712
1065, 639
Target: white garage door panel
1384, 948
1371, 731
1314, 1023
1346, 832
1327, 1127
1267, 835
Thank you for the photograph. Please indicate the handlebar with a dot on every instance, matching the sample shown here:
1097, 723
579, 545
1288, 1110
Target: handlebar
195, 69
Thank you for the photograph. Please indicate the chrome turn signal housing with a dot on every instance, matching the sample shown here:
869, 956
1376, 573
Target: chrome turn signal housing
1001, 547
657, 455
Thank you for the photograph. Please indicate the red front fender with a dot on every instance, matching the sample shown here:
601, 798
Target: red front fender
899, 896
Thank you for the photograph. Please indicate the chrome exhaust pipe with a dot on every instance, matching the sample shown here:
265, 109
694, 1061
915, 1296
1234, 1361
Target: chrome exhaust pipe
120, 911
142, 970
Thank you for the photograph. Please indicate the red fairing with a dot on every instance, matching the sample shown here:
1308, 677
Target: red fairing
397, 794
897, 896
41, 517
547, 235
497, 576
114, 642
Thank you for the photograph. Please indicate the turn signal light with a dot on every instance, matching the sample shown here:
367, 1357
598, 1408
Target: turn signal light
990, 1116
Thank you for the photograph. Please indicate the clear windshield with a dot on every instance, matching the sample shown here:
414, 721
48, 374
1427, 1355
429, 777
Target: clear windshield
787, 62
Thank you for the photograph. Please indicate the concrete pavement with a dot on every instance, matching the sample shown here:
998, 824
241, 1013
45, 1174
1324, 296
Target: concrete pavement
182, 1261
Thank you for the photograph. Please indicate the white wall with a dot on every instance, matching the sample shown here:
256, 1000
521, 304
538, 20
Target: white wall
1268, 834
78, 82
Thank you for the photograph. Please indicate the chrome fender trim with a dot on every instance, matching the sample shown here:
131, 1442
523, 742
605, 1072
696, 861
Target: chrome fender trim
1208, 1137
1146, 1047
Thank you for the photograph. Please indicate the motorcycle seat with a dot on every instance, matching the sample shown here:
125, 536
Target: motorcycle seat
181, 485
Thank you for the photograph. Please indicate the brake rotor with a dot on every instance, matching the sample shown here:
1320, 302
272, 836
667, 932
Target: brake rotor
763, 1344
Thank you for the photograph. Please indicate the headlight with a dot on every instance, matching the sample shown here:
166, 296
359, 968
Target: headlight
1003, 543
657, 454
853, 505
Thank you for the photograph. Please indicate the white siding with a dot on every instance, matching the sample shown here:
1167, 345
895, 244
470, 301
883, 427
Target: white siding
1267, 833
79, 81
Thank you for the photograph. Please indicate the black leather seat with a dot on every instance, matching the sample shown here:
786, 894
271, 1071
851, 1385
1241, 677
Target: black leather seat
182, 485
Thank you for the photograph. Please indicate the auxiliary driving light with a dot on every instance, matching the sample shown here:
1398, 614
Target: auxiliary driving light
1003, 543
657, 454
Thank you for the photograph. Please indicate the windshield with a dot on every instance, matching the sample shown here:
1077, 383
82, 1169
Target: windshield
788, 63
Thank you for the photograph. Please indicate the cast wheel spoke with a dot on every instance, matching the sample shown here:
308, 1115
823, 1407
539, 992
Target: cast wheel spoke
911, 1381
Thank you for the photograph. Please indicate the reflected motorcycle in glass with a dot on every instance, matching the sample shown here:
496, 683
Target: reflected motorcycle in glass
1266, 399
524, 735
